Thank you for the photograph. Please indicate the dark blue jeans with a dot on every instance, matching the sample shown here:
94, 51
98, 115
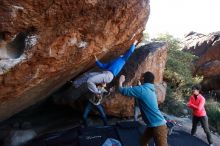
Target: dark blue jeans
136, 110
100, 109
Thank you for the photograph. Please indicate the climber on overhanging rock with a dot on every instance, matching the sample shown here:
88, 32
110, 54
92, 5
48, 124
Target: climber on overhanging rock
110, 70
96, 101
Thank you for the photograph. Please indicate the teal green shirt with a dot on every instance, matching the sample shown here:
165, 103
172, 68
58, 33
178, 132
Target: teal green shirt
148, 105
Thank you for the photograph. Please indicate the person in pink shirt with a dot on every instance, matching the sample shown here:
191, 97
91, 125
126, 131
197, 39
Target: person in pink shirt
197, 104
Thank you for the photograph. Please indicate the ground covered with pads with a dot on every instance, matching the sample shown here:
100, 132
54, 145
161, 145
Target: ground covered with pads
127, 132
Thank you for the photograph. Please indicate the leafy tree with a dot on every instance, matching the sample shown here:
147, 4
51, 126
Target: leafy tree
177, 74
173, 43
178, 67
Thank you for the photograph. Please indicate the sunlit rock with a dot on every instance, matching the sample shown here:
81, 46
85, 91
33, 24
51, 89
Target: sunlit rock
51, 42
207, 48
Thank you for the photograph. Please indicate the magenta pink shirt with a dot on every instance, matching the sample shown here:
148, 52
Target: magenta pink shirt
197, 105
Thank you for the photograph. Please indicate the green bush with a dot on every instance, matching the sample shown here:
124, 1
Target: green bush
213, 111
173, 104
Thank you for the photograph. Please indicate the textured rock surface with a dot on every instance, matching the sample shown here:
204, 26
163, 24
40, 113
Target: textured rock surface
207, 48
211, 84
151, 57
60, 39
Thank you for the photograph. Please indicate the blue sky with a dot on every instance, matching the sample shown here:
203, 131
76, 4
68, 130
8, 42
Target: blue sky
179, 17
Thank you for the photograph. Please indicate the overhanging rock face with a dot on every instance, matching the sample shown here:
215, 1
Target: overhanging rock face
58, 39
